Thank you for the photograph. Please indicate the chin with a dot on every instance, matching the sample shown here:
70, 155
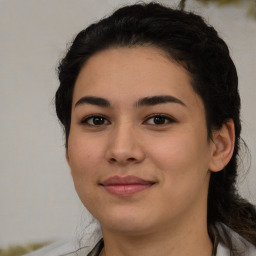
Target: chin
128, 222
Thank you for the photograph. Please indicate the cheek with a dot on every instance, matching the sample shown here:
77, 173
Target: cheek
83, 162
184, 172
168, 152
84, 157
181, 158
84, 152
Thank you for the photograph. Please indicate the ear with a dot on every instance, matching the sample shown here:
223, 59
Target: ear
223, 146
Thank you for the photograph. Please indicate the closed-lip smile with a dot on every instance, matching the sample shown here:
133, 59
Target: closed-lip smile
125, 185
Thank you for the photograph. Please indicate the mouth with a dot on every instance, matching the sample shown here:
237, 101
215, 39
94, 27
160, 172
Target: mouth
125, 186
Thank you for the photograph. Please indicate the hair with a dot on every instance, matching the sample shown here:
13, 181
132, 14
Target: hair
196, 46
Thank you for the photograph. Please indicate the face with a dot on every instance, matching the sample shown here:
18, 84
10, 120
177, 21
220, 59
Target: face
138, 147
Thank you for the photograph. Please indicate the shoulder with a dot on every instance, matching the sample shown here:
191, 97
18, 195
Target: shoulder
68, 248
249, 250
90, 244
239, 244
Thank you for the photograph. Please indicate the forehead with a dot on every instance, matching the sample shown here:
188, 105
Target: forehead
132, 73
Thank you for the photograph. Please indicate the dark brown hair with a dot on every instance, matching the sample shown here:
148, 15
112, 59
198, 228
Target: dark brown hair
188, 40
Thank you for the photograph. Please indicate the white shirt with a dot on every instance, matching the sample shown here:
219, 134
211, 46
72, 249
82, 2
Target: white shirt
93, 247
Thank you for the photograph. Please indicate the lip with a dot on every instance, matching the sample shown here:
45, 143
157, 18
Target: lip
125, 186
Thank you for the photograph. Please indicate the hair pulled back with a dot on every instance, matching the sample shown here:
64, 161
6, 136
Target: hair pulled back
188, 40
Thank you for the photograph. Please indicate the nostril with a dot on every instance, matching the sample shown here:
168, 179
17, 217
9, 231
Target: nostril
113, 160
131, 159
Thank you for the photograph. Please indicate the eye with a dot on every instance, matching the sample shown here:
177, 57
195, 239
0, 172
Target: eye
95, 120
159, 119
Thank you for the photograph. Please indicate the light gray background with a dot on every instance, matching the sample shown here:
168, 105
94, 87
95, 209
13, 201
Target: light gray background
38, 201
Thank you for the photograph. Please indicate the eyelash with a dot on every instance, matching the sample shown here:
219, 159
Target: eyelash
161, 116
85, 121
167, 120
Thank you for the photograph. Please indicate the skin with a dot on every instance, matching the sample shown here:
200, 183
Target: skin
169, 217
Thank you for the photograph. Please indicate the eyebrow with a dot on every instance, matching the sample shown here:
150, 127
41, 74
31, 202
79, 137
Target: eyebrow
155, 100
93, 101
147, 101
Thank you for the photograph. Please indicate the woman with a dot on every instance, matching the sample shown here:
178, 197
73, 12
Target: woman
149, 103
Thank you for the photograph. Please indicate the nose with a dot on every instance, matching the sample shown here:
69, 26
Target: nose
124, 146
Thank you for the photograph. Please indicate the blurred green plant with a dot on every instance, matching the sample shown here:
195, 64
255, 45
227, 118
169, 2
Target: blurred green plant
250, 3
19, 250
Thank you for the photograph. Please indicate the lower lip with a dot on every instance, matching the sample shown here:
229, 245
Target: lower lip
126, 189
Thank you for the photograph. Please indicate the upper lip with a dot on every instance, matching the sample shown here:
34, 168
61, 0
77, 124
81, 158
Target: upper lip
125, 180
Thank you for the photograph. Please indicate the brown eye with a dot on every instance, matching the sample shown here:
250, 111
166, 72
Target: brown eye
159, 120
95, 121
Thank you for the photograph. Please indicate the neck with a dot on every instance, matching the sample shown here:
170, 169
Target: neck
186, 240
